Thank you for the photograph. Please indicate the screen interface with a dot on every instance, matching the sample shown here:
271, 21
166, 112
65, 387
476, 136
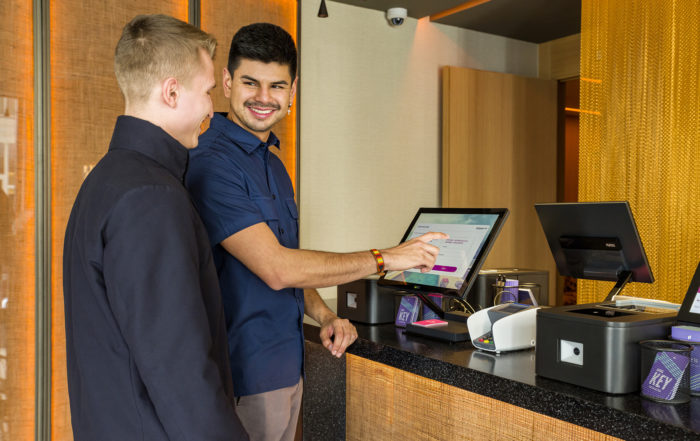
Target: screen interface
695, 306
458, 254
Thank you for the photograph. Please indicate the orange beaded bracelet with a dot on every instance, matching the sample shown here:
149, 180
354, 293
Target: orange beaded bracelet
380, 260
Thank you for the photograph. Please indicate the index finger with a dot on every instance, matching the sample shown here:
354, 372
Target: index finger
338, 341
427, 237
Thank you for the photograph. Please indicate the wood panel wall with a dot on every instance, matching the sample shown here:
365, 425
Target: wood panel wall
384, 403
499, 149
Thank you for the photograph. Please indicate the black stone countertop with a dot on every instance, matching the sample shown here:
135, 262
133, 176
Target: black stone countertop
510, 377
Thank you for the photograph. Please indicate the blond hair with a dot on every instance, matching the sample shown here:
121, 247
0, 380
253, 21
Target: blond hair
155, 47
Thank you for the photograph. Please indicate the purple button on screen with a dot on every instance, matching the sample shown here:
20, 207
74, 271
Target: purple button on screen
447, 269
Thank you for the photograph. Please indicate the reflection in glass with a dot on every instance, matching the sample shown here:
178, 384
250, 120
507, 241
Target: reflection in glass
16, 304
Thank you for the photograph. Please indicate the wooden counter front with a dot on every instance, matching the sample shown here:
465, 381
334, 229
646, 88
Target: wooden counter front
386, 403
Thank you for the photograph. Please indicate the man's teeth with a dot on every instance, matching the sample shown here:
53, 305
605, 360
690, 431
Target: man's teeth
262, 112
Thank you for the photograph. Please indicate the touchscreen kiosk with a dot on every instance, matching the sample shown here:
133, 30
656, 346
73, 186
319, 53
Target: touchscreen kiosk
597, 241
690, 309
595, 345
472, 233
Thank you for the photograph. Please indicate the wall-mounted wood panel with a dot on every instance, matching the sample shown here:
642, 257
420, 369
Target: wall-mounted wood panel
222, 19
384, 403
499, 150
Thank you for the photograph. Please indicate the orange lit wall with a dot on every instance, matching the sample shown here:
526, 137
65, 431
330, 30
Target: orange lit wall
222, 19
17, 225
85, 102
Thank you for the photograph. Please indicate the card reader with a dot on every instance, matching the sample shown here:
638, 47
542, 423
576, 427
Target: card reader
504, 327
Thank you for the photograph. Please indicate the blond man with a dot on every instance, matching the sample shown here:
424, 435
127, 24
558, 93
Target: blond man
145, 336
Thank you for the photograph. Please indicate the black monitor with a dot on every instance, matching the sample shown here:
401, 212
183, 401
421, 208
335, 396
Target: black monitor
596, 241
472, 233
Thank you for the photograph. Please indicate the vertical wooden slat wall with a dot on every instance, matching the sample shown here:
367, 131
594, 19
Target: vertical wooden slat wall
17, 221
499, 150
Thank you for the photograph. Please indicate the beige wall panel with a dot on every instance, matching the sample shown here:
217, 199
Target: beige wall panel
561, 58
85, 102
223, 18
370, 119
384, 403
499, 150
17, 297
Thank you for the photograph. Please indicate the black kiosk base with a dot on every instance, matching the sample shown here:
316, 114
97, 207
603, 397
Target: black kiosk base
452, 331
455, 330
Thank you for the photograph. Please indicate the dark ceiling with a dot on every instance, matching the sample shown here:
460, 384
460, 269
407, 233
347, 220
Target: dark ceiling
535, 21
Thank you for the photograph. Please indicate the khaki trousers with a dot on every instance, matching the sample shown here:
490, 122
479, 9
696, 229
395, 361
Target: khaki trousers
271, 416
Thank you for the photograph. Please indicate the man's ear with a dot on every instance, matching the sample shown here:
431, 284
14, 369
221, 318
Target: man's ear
226, 81
170, 91
293, 91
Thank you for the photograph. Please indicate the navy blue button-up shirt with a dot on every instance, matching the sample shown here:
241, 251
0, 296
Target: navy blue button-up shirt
236, 182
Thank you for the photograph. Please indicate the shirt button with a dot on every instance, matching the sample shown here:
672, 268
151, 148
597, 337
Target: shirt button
281, 230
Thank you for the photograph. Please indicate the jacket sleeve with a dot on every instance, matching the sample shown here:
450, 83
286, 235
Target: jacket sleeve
152, 267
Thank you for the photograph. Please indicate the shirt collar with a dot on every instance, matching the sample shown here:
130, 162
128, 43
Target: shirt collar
240, 136
139, 135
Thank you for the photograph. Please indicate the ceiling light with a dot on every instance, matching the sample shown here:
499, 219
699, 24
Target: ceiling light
322, 11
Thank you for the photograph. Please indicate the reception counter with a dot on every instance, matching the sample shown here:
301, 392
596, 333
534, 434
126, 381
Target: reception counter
397, 386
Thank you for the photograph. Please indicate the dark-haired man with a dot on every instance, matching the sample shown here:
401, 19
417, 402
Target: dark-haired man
246, 200
145, 340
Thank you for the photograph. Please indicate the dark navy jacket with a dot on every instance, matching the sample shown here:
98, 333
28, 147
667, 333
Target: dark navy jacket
236, 182
145, 338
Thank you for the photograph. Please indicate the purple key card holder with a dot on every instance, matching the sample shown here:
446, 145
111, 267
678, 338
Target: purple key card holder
408, 311
691, 336
510, 291
665, 376
665, 366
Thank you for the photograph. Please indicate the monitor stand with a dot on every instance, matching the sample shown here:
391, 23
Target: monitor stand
454, 331
622, 279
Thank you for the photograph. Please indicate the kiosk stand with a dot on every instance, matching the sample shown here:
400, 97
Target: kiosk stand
595, 345
472, 232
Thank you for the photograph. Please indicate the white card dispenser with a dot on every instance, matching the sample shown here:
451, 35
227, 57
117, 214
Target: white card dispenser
504, 327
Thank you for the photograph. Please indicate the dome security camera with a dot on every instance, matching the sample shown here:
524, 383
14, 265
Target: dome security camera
396, 16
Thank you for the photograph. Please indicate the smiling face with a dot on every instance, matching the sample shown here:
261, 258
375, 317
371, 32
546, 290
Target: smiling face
259, 95
194, 103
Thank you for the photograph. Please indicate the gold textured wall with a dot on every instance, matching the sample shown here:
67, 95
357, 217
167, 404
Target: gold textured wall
640, 131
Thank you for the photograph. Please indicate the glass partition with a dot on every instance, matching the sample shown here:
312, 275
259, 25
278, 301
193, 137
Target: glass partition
17, 256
